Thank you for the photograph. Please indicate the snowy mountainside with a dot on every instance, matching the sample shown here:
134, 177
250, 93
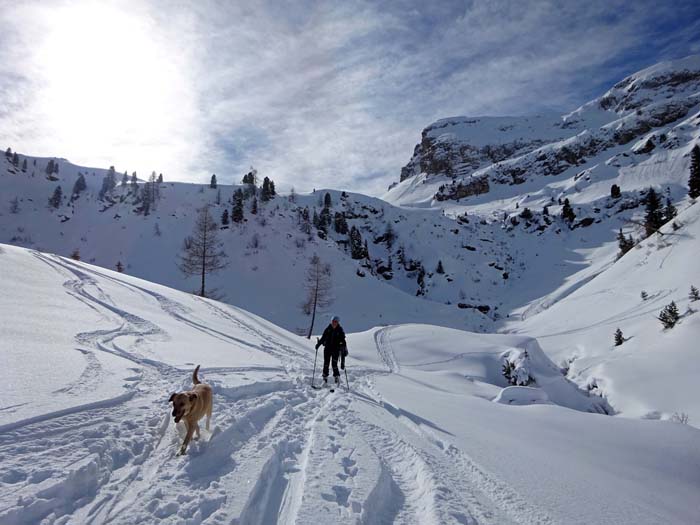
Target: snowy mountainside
654, 373
638, 133
424, 436
268, 254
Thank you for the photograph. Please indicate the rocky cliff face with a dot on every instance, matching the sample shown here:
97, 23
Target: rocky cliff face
465, 156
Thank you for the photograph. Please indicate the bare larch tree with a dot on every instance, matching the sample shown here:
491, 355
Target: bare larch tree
202, 253
319, 288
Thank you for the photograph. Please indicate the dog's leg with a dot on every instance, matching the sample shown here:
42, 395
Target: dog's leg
188, 437
196, 429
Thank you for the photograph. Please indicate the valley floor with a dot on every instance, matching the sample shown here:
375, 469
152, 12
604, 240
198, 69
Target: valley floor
86, 434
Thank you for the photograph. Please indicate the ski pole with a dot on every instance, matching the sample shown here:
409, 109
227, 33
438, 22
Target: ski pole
313, 376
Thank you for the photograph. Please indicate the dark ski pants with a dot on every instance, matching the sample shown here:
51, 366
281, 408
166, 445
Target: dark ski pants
329, 355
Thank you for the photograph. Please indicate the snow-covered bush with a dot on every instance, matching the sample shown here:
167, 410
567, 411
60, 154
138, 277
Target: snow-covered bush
681, 417
516, 368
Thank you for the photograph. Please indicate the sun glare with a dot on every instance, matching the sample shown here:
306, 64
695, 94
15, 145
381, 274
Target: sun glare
110, 79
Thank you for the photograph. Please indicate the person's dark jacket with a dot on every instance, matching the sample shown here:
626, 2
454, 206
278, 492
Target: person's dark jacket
333, 339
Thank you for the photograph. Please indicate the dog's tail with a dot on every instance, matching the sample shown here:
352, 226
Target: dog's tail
195, 379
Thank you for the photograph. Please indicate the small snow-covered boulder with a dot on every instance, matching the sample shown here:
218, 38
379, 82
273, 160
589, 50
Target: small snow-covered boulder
522, 395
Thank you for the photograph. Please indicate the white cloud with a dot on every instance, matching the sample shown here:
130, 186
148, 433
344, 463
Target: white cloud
312, 94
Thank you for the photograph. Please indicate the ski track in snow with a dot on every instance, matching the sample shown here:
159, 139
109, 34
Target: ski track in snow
278, 451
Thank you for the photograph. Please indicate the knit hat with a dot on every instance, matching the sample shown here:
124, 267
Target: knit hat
335, 318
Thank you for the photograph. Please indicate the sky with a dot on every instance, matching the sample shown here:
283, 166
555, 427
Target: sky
312, 94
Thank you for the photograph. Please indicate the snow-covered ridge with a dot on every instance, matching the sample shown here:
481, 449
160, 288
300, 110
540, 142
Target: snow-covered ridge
648, 106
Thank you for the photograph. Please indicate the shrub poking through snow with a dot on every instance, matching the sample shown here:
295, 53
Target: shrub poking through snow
681, 418
619, 338
516, 369
644, 295
694, 294
669, 315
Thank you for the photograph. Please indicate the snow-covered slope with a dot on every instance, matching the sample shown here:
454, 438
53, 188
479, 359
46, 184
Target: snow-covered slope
268, 254
503, 246
654, 373
426, 434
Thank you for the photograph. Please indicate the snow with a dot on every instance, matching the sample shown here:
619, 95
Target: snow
654, 373
431, 430
418, 439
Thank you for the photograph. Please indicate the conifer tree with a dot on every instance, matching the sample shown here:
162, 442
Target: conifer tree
694, 180
625, 244
319, 289
153, 189
440, 268
254, 206
120, 267
125, 180
669, 316
567, 212
75, 255
24, 165
224, 218
160, 178
267, 191
324, 219
49, 167
212, 182
134, 181
669, 211
56, 198
292, 195
237, 210
108, 183
615, 192
305, 223
8, 153
146, 199
202, 253
619, 338
653, 219
357, 250
340, 224
79, 186
694, 294
327, 201
15, 160
251, 177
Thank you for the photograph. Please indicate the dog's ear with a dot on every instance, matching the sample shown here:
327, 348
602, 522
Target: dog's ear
192, 396
172, 398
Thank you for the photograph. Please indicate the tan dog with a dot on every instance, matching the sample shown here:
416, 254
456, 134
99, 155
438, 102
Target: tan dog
192, 406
